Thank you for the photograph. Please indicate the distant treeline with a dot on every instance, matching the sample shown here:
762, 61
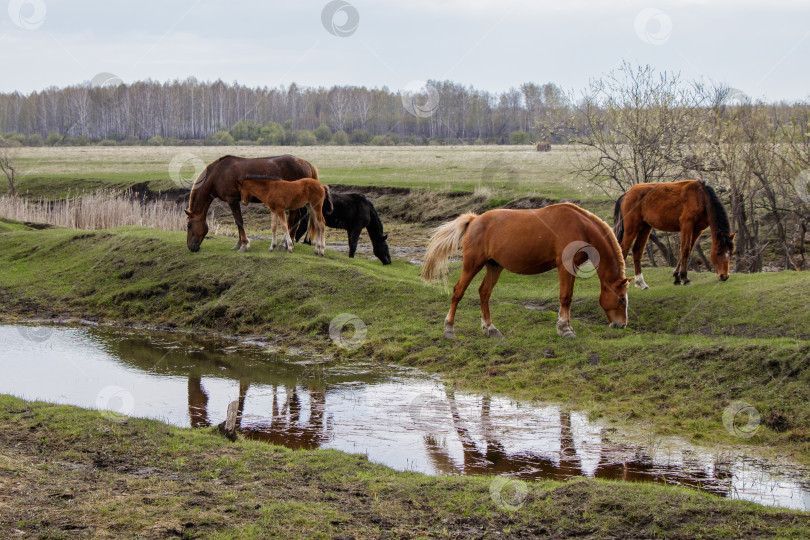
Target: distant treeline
218, 113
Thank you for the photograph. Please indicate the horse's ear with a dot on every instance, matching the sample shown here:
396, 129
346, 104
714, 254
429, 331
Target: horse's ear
187, 213
385, 237
731, 236
626, 280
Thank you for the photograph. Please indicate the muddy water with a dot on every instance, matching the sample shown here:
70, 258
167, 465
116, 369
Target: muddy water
399, 417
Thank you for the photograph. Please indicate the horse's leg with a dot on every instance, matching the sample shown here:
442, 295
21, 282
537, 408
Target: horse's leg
242, 244
468, 272
638, 252
273, 227
354, 236
286, 240
687, 241
293, 220
485, 291
694, 234
566, 295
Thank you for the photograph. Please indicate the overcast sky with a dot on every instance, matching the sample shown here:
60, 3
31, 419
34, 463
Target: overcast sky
760, 48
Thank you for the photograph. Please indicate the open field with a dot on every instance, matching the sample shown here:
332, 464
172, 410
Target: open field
506, 170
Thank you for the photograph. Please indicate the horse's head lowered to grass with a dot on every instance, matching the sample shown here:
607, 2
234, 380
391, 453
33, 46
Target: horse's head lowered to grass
197, 229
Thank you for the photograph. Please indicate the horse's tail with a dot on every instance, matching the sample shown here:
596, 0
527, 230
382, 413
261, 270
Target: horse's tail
618, 220
328, 205
444, 242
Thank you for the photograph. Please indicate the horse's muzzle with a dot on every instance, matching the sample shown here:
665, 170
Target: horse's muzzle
617, 325
194, 248
723, 277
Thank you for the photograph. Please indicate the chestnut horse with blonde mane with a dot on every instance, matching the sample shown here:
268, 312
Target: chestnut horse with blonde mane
528, 242
219, 180
280, 196
688, 206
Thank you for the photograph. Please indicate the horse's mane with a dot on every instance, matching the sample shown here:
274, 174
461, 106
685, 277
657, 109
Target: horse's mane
375, 217
717, 213
608, 234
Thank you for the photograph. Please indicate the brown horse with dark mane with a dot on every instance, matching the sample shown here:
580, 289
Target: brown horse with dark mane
280, 196
220, 180
688, 206
527, 242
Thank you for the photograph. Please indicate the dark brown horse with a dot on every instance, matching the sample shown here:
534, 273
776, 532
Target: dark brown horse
220, 180
688, 206
280, 196
561, 236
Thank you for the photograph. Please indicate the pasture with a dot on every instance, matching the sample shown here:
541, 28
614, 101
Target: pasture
688, 352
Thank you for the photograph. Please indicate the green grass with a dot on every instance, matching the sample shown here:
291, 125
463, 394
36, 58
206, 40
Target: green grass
689, 351
66, 471
507, 171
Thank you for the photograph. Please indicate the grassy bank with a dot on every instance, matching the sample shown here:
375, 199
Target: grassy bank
689, 351
66, 472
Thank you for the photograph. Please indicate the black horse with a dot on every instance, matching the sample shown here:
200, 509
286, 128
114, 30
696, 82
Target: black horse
353, 212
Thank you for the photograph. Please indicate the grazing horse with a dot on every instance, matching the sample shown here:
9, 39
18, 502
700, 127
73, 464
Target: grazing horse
530, 242
220, 180
280, 196
688, 206
544, 146
353, 212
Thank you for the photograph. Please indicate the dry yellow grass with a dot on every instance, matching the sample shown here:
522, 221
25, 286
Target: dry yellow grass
101, 210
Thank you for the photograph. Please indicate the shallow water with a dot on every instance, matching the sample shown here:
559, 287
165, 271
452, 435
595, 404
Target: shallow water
399, 417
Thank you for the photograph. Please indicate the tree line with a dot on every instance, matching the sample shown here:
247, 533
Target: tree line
220, 113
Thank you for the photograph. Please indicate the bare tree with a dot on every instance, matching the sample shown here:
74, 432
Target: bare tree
636, 123
7, 165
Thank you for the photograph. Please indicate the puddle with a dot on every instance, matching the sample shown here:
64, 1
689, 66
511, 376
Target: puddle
399, 417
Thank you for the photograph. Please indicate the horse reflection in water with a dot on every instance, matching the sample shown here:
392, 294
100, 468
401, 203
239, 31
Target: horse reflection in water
284, 427
492, 457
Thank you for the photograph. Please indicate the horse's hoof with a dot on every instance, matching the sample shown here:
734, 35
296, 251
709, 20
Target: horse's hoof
449, 334
687, 281
644, 287
494, 332
237, 246
677, 282
568, 334
243, 249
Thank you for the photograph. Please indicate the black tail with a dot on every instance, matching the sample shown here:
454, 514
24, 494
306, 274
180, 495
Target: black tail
618, 222
328, 206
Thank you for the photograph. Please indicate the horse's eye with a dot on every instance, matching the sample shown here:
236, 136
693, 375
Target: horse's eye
621, 300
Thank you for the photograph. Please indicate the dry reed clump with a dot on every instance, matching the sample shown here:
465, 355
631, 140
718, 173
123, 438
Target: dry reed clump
100, 210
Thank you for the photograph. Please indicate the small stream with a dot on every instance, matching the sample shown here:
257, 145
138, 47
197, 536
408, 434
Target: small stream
400, 417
